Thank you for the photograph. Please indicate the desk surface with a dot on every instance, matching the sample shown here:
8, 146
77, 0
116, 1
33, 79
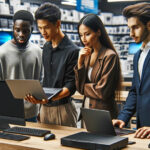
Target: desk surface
127, 84
60, 131
123, 95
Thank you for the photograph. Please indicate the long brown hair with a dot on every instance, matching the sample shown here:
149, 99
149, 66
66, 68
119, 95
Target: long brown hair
94, 22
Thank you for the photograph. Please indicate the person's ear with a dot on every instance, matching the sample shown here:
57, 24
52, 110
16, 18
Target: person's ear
58, 23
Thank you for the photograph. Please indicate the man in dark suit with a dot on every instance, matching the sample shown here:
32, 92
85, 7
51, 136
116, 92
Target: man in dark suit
138, 100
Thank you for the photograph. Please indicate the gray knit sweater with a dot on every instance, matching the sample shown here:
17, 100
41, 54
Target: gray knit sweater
21, 64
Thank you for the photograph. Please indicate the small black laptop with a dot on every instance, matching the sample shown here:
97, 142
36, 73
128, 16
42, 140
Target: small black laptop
99, 121
20, 88
91, 141
100, 136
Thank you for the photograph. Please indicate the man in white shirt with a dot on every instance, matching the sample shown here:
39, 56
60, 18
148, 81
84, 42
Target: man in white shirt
138, 100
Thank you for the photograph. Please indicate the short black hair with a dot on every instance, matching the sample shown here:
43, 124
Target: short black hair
23, 15
48, 11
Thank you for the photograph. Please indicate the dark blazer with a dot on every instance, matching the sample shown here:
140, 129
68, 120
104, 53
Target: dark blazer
101, 88
138, 99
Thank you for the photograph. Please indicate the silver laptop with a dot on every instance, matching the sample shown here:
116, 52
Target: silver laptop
20, 88
99, 121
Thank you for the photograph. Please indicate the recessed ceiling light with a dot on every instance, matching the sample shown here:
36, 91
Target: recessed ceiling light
69, 2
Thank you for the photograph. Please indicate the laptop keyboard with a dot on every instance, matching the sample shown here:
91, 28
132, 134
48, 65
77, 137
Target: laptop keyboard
48, 95
51, 90
123, 131
27, 131
13, 136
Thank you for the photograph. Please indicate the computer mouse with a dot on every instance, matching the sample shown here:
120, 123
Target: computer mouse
49, 136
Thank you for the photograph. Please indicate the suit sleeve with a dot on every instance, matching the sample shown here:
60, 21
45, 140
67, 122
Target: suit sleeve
105, 87
130, 106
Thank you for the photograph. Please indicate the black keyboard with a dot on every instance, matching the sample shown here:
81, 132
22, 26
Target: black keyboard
13, 136
27, 131
123, 131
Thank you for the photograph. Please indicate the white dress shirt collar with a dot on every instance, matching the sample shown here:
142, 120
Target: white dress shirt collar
142, 58
146, 48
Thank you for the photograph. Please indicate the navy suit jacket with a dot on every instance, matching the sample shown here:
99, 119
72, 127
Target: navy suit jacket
138, 99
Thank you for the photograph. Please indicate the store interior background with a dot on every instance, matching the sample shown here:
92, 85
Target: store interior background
109, 12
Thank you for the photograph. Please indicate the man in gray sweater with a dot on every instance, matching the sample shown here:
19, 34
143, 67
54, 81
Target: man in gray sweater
21, 59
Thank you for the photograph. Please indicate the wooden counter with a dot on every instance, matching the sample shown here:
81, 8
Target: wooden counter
37, 143
123, 96
126, 84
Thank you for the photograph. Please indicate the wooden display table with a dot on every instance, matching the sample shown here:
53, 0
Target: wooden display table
123, 96
126, 84
60, 131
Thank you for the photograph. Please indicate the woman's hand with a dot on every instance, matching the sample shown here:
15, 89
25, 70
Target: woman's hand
33, 100
82, 54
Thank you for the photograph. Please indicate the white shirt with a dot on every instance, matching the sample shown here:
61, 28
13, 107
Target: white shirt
90, 72
142, 58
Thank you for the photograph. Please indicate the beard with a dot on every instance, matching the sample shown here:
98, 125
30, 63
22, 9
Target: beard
144, 35
21, 45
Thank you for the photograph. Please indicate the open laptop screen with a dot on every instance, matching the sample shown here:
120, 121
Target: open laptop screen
99, 121
20, 88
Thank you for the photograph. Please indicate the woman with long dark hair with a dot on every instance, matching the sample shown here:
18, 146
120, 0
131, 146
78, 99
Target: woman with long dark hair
98, 73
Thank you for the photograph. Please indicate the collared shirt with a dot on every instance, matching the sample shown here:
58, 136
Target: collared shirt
142, 58
59, 63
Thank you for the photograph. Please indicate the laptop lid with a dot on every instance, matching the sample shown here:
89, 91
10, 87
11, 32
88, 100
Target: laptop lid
20, 88
98, 121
